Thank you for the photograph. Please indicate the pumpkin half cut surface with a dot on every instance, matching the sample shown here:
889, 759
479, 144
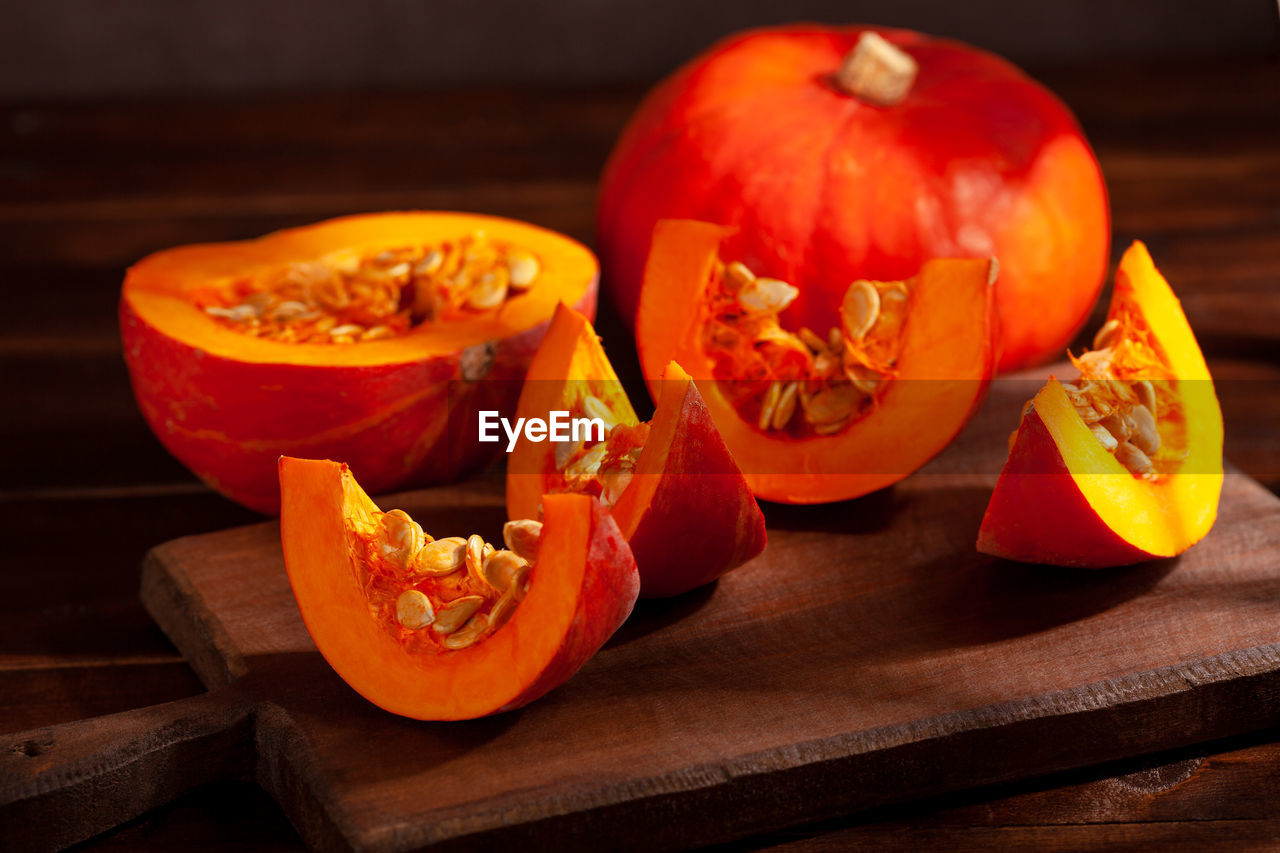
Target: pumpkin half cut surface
451, 628
1123, 464
373, 339
672, 484
816, 415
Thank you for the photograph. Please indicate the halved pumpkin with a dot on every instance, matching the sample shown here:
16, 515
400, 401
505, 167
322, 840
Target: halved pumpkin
1123, 464
449, 629
813, 417
371, 338
674, 489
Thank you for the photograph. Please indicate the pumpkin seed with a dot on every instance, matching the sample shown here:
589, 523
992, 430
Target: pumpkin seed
400, 538
1134, 459
523, 536
430, 263
589, 462
833, 404
413, 610
786, 407
860, 309
1146, 395
523, 269
766, 295
1145, 435
736, 275
811, 340
489, 292
1119, 424
863, 378
1104, 437
594, 407
468, 634
502, 611
1107, 335
500, 567
439, 558
475, 559
451, 615
768, 404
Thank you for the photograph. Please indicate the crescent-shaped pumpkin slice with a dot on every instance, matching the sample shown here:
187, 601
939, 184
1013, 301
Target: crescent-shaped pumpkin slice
672, 484
372, 338
1123, 464
449, 629
813, 417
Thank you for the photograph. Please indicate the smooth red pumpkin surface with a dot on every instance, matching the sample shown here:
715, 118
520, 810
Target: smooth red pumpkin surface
823, 188
581, 587
672, 484
400, 410
943, 367
1063, 497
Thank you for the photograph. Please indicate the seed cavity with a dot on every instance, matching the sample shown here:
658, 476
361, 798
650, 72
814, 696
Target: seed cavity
1120, 409
347, 297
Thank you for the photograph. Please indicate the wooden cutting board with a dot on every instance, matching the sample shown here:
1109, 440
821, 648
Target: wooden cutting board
870, 655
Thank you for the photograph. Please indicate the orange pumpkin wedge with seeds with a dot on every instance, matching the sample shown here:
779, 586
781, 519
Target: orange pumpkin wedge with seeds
371, 338
1123, 464
671, 483
813, 416
452, 628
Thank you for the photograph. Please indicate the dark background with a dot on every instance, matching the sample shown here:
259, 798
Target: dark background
99, 48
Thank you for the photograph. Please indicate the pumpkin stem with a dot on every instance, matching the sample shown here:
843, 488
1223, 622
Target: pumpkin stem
877, 71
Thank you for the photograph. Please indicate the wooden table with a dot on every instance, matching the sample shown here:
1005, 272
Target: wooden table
1192, 157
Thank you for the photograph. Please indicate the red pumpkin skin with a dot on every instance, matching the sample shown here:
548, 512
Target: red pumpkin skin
230, 421
701, 520
978, 161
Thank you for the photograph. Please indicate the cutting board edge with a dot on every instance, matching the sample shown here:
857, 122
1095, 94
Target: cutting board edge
1248, 678
170, 597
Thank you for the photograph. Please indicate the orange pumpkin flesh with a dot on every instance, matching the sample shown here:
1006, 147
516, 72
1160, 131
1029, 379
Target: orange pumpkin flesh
581, 588
941, 374
681, 486
399, 410
1063, 499
978, 160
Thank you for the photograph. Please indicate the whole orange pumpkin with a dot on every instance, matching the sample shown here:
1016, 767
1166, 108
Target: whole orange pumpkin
829, 180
